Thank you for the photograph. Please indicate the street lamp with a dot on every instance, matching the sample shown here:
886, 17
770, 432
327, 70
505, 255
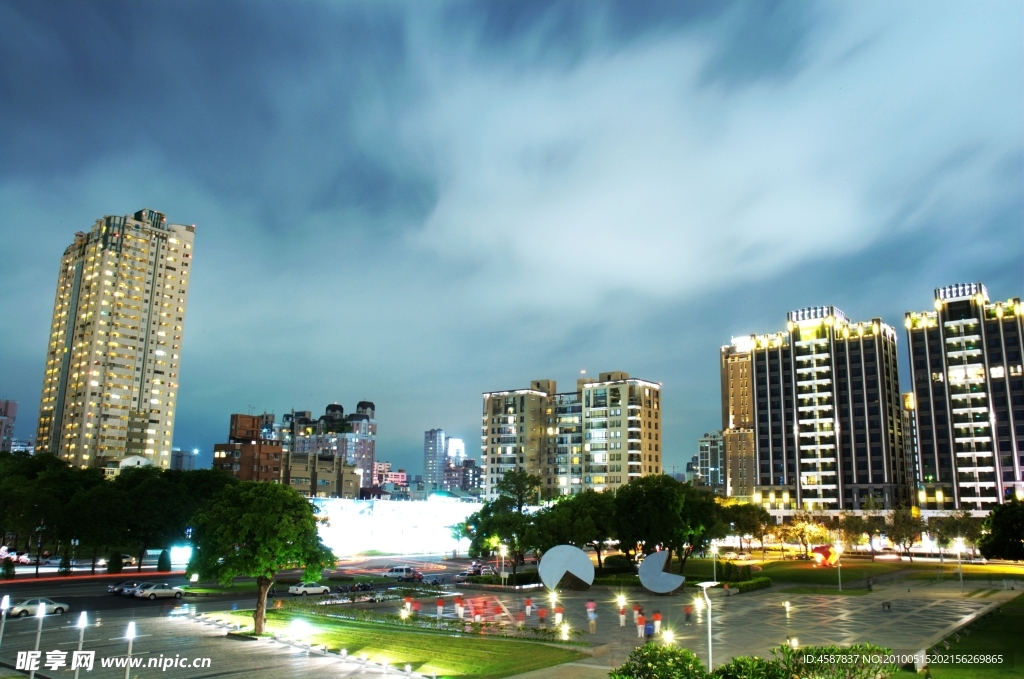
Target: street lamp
707, 600
714, 569
130, 635
5, 603
40, 612
83, 622
839, 563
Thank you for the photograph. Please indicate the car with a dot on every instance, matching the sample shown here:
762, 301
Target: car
743, 556
401, 573
129, 560
120, 587
304, 588
24, 558
130, 591
487, 570
464, 576
730, 555
158, 591
87, 563
27, 607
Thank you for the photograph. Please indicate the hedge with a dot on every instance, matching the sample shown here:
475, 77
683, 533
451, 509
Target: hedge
751, 585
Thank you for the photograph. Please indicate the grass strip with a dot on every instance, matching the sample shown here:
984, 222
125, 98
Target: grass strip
999, 634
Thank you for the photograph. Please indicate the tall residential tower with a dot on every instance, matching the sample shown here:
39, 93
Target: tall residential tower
113, 355
966, 371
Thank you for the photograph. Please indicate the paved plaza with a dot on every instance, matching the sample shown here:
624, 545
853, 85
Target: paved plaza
751, 623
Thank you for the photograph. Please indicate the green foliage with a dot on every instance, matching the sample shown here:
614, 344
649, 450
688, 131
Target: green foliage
257, 529
618, 562
793, 662
747, 519
658, 661
7, 569
505, 521
904, 528
64, 568
163, 564
649, 513
1003, 532
584, 520
752, 584
750, 667
115, 564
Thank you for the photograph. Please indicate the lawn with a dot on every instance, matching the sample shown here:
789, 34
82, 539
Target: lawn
246, 586
804, 572
975, 572
427, 651
1000, 634
827, 591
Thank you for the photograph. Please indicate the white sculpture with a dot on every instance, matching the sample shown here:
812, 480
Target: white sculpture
563, 559
653, 575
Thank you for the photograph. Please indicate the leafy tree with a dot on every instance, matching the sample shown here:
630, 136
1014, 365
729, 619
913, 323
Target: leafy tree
1003, 534
257, 529
961, 524
806, 529
649, 514
703, 521
99, 518
748, 519
584, 520
853, 529
156, 515
904, 528
506, 521
874, 519
163, 563
115, 564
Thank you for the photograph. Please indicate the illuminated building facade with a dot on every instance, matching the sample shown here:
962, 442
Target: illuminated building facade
711, 462
600, 436
113, 356
434, 457
968, 385
826, 413
250, 453
738, 419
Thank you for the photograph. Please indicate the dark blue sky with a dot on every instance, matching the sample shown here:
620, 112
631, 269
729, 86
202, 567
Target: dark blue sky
413, 203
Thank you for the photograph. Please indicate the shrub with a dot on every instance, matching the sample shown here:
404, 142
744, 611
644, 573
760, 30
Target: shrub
658, 661
8, 568
744, 573
751, 585
64, 568
163, 564
115, 564
792, 662
751, 667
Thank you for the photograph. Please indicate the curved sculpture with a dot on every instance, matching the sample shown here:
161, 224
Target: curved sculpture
653, 576
563, 559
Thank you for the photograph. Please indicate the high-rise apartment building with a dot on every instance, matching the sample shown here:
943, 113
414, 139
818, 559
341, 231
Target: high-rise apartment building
8, 415
965, 358
738, 419
433, 457
114, 349
600, 436
826, 413
711, 462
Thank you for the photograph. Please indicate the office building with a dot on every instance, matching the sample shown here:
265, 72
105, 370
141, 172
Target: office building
826, 413
600, 436
711, 462
434, 457
8, 415
247, 455
113, 356
965, 359
183, 460
738, 420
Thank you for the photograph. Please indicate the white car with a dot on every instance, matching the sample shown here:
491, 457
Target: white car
402, 573
130, 591
27, 607
161, 591
305, 588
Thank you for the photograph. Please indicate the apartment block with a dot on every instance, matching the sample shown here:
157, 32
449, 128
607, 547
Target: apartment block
113, 355
738, 420
434, 457
322, 475
826, 413
352, 437
8, 416
711, 462
965, 359
247, 455
600, 436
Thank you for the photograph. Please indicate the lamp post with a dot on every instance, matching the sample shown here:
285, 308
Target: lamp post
714, 567
40, 612
839, 563
130, 635
707, 600
5, 603
83, 622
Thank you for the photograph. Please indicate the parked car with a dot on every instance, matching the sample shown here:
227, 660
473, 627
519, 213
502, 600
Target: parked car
160, 591
87, 563
305, 588
403, 573
24, 558
130, 591
464, 576
129, 560
730, 555
27, 607
120, 587
487, 570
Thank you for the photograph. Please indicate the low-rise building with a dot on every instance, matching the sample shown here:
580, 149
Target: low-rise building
248, 456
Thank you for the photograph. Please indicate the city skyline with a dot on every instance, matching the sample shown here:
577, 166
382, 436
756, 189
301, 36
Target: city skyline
373, 230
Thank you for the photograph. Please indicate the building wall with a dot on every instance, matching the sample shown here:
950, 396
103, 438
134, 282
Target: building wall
259, 461
711, 461
325, 476
433, 456
113, 353
741, 476
965, 359
8, 416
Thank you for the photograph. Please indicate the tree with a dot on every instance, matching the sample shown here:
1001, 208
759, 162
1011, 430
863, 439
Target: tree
1003, 532
904, 528
806, 529
156, 514
961, 524
874, 520
257, 529
748, 519
583, 520
703, 521
505, 520
649, 514
853, 529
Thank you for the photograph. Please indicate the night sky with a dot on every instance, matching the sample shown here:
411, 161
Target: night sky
413, 203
